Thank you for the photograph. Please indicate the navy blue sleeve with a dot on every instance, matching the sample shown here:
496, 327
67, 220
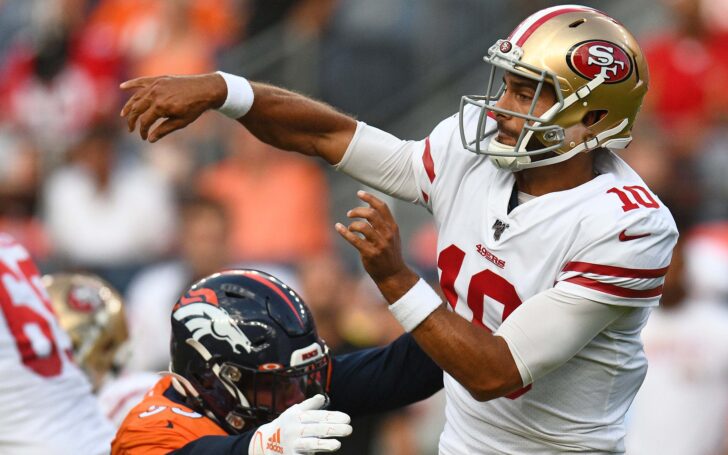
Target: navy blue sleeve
383, 379
218, 445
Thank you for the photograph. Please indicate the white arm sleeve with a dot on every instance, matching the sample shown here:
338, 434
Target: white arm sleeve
551, 327
382, 161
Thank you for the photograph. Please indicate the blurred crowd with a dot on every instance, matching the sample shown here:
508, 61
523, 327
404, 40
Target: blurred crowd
82, 194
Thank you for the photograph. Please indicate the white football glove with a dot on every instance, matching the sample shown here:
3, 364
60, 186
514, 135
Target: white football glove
302, 429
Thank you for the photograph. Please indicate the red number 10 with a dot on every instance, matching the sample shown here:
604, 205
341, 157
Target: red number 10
641, 197
483, 283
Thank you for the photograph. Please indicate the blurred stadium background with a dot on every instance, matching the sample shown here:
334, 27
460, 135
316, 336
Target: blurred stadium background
82, 194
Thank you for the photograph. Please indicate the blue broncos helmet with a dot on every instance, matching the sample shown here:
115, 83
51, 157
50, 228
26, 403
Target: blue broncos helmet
247, 344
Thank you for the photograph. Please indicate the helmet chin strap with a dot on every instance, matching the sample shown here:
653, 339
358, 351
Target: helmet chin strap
182, 385
589, 144
512, 163
187, 390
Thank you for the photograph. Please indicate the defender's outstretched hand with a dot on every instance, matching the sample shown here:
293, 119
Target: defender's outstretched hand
302, 428
376, 237
177, 100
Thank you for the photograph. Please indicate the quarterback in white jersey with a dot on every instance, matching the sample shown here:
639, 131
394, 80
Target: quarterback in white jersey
580, 243
551, 249
48, 407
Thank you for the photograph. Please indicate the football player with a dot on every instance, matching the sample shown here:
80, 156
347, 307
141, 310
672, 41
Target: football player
91, 311
551, 249
48, 406
249, 374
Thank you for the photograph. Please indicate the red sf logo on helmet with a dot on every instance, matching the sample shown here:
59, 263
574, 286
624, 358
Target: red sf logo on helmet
83, 300
590, 59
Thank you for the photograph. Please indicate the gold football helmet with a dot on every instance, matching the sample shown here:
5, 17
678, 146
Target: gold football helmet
590, 61
91, 311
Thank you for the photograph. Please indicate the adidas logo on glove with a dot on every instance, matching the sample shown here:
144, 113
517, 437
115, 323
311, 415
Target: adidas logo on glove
274, 442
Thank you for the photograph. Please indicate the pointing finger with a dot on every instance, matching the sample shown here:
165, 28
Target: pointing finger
139, 82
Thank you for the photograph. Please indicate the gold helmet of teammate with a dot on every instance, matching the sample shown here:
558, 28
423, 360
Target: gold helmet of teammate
91, 311
591, 62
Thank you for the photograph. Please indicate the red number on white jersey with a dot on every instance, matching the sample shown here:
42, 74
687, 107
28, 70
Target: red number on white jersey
639, 197
28, 312
483, 283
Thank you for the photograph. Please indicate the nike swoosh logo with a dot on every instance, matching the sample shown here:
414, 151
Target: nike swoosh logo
623, 237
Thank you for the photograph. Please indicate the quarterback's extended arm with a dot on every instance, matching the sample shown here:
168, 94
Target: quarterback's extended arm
281, 118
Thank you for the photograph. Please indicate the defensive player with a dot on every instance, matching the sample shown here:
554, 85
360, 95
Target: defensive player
48, 407
551, 249
249, 375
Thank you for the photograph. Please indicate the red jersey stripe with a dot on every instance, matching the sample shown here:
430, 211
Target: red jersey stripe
427, 161
609, 270
615, 290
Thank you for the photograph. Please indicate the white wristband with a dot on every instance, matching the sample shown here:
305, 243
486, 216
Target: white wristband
239, 96
414, 307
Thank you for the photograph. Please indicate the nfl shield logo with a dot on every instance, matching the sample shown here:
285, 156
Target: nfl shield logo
498, 228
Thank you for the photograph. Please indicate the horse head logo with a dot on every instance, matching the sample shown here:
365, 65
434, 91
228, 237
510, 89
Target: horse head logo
203, 319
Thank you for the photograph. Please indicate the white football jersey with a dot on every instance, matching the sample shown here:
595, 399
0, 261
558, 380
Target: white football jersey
46, 400
609, 240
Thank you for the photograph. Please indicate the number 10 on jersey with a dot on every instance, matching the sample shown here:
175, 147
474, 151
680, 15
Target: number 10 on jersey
483, 283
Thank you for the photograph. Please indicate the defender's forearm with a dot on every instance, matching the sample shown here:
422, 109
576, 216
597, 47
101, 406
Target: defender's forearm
290, 121
383, 378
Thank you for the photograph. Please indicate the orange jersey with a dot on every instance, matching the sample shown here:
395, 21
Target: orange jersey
159, 425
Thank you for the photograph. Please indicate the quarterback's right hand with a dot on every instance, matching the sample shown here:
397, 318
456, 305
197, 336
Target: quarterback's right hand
301, 429
179, 100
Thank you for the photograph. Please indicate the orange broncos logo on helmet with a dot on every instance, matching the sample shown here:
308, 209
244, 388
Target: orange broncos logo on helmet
200, 312
202, 295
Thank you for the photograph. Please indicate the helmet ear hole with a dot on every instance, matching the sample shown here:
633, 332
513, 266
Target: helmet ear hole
592, 117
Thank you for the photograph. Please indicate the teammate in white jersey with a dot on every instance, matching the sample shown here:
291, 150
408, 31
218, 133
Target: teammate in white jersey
92, 312
551, 249
48, 407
